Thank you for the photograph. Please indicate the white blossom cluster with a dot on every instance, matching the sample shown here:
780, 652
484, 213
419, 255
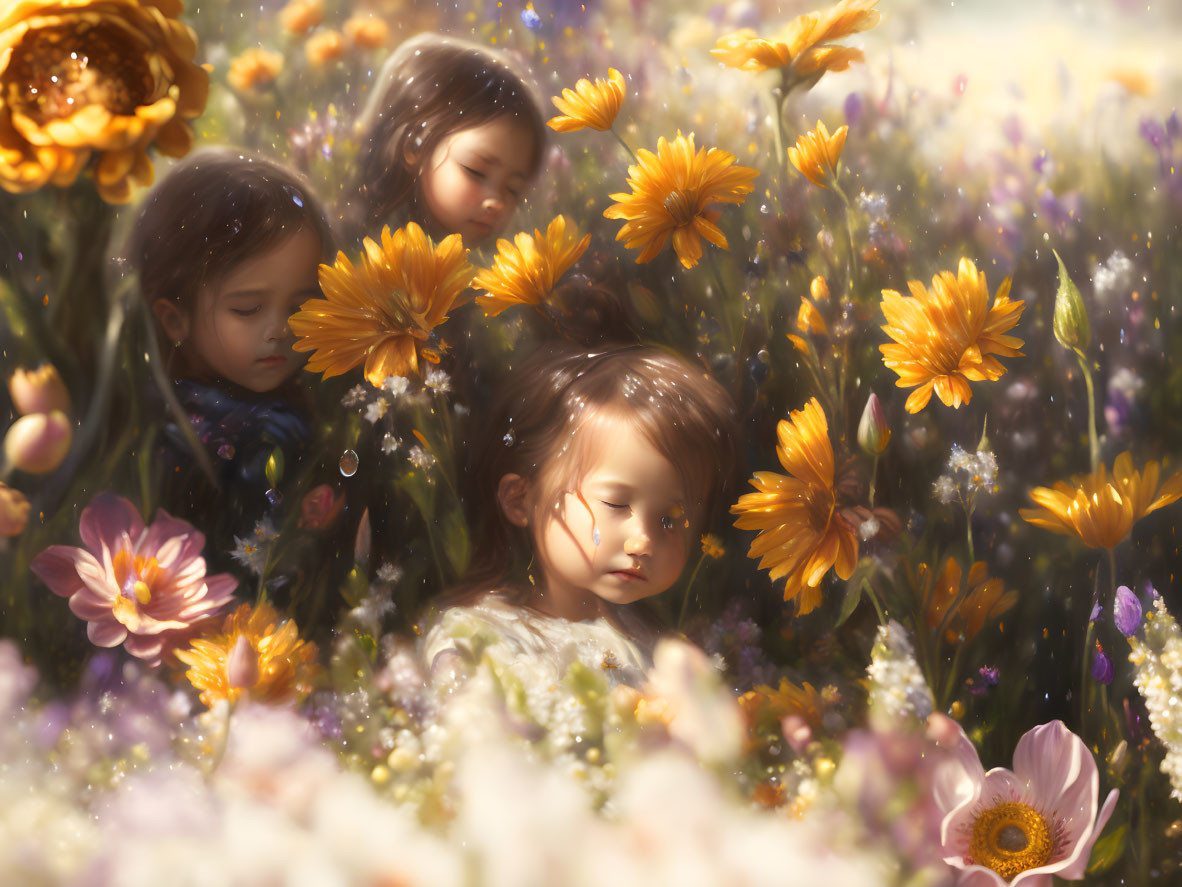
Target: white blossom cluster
967, 475
1113, 277
1158, 660
898, 691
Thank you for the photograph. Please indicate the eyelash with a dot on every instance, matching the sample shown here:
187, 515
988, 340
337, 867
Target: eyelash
476, 174
244, 312
666, 521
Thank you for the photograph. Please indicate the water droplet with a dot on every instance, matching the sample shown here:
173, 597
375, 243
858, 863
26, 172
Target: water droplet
349, 463
510, 438
595, 537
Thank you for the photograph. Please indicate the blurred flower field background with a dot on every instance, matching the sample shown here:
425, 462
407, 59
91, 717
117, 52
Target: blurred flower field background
932, 252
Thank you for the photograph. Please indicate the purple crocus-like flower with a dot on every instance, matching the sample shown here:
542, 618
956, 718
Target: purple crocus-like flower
1126, 611
1096, 611
141, 586
1102, 670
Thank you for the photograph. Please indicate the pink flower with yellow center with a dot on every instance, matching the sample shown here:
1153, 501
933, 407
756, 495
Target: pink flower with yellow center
1025, 826
141, 586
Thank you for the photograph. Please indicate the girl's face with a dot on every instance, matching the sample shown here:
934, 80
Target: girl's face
475, 177
621, 536
238, 329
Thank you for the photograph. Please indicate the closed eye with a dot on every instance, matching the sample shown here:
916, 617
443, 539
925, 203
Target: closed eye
474, 173
245, 312
615, 505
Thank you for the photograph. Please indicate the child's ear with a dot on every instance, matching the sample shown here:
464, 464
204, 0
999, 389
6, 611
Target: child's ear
173, 320
513, 496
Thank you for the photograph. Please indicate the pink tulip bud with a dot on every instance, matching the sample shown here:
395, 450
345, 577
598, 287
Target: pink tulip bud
242, 666
14, 511
37, 443
798, 733
320, 507
873, 433
38, 391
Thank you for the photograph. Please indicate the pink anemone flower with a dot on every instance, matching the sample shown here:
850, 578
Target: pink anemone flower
1021, 827
143, 587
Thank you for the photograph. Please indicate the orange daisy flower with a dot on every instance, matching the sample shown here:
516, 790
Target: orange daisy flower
255, 655
947, 337
593, 105
815, 154
806, 50
802, 533
525, 271
986, 600
1100, 510
383, 311
672, 191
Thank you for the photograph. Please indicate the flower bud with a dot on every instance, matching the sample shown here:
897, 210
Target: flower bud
819, 289
38, 391
1071, 317
1126, 611
320, 507
873, 433
38, 443
242, 665
14, 511
1102, 670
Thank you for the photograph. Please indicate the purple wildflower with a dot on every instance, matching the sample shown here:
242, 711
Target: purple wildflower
1126, 611
1102, 670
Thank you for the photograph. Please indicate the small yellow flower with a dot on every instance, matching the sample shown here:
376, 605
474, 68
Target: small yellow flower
253, 68
367, 31
383, 311
1100, 510
672, 193
808, 318
712, 546
94, 82
524, 272
948, 337
324, 47
593, 105
254, 655
815, 154
802, 533
301, 16
806, 50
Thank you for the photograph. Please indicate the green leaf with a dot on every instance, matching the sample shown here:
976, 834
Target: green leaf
1108, 850
854, 586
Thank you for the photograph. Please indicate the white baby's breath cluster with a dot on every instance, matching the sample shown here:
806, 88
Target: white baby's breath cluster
1158, 660
898, 691
966, 475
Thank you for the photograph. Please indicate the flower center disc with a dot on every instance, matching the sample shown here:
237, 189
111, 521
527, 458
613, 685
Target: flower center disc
58, 71
1010, 838
682, 206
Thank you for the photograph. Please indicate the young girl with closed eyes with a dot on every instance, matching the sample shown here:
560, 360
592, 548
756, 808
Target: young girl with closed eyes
451, 138
226, 248
597, 475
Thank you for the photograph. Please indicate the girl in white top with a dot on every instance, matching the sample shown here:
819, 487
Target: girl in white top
596, 477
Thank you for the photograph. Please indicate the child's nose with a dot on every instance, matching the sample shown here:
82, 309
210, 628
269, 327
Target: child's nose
277, 329
638, 544
493, 204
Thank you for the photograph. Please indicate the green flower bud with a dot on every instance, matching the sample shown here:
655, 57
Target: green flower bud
1071, 317
873, 433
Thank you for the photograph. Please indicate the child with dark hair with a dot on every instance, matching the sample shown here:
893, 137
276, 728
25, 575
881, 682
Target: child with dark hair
597, 474
451, 138
226, 248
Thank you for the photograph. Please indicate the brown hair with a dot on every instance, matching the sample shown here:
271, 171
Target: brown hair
559, 391
429, 88
211, 211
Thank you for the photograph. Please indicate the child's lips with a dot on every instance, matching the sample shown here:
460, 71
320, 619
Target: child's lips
272, 361
630, 575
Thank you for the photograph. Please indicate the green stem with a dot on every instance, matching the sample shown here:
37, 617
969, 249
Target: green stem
851, 257
626, 146
779, 98
950, 682
689, 585
873, 479
1093, 439
870, 593
970, 507
722, 299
